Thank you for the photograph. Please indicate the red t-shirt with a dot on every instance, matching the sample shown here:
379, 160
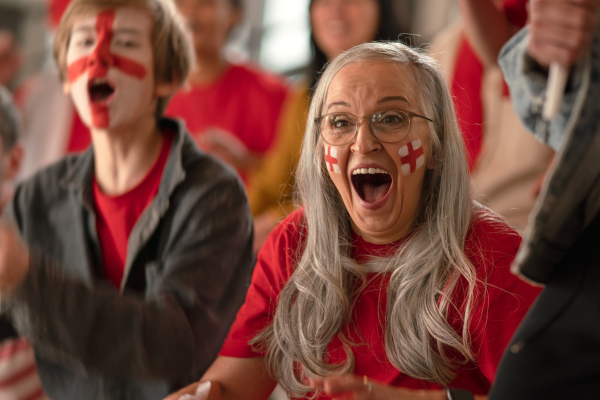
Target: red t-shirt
80, 138
244, 101
117, 215
491, 246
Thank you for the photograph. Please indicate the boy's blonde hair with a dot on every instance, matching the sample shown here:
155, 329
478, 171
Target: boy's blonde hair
172, 50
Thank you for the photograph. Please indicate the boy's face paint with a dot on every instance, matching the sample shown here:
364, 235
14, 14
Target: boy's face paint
412, 157
331, 160
110, 67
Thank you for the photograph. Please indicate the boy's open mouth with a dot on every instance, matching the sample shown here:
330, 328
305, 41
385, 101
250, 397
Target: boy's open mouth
100, 90
371, 184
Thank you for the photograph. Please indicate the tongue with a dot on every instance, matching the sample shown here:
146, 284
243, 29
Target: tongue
373, 193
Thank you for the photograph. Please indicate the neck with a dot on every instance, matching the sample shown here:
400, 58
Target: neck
123, 156
208, 68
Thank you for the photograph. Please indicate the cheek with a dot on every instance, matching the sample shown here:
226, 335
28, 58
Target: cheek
332, 161
412, 157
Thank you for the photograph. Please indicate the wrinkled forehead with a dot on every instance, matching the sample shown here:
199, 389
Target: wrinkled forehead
366, 81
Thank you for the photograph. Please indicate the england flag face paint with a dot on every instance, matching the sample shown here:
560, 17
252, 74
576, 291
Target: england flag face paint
412, 157
110, 67
331, 160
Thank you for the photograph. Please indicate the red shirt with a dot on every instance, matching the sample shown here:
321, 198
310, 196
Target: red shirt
244, 102
117, 215
491, 246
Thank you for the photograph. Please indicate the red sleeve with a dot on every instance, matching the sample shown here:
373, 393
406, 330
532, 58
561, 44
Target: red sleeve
505, 298
273, 269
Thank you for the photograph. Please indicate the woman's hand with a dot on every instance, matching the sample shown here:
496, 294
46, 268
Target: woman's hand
190, 389
353, 387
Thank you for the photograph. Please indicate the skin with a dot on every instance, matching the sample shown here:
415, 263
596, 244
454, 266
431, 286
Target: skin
561, 31
363, 89
482, 18
341, 24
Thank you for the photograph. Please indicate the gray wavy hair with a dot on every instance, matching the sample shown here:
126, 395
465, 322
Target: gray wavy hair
316, 303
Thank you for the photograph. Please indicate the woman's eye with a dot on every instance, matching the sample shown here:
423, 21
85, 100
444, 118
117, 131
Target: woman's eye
392, 119
340, 123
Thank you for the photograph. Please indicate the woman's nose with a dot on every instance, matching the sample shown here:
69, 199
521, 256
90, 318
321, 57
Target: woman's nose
365, 141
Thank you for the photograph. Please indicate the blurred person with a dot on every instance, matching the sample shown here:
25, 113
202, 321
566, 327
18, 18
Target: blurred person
338, 25
507, 164
240, 113
52, 128
555, 351
390, 282
18, 373
135, 255
10, 58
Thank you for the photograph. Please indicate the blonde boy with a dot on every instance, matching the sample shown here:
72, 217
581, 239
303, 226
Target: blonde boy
137, 251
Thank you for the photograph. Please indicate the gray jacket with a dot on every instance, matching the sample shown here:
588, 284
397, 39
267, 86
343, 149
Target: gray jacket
188, 265
570, 198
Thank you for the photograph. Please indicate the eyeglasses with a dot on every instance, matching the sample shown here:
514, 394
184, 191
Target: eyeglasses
388, 126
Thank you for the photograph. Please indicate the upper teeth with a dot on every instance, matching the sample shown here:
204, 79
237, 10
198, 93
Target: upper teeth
98, 81
359, 171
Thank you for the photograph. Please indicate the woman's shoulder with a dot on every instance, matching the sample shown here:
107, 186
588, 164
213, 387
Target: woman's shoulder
291, 228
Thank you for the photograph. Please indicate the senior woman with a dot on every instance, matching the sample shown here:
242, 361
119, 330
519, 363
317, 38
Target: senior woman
390, 282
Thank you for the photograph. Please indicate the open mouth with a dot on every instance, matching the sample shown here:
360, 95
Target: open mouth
100, 90
371, 184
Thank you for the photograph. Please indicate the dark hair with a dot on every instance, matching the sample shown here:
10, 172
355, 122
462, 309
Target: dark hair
9, 120
389, 29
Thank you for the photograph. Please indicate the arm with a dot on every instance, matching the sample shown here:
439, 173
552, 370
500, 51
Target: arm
237, 379
486, 28
193, 289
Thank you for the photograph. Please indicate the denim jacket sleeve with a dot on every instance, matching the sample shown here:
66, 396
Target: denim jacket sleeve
174, 327
566, 204
527, 82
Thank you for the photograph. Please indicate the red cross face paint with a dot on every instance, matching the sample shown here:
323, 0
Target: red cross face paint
380, 183
110, 68
331, 160
411, 156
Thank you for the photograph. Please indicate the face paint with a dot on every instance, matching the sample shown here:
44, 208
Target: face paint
411, 157
331, 160
97, 65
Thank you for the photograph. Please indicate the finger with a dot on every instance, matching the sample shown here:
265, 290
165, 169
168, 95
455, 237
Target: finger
563, 14
546, 52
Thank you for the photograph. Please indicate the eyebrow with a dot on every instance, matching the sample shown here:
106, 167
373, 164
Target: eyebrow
393, 98
128, 31
380, 101
338, 103
84, 28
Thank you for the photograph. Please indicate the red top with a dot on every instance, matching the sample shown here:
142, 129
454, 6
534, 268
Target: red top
491, 246
243, 101
117, 215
